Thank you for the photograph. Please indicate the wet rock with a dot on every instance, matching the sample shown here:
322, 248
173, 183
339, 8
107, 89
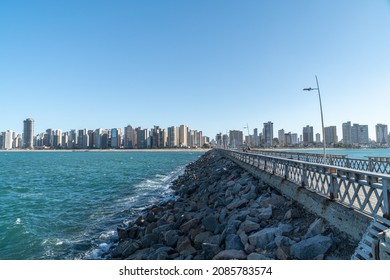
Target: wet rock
265, 213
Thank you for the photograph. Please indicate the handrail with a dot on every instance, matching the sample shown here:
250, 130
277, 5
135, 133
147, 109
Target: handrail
372, 164
364, 191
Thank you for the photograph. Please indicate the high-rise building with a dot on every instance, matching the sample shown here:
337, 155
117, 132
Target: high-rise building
382, 135
236, 138
294, 139
331, 135
347, 133
308, 135
359, 134
363, 134
7, 139
268, 134
128, 137
318, 137
28, 134
115, 138
172, 137
183, 136
256, 141
281, 138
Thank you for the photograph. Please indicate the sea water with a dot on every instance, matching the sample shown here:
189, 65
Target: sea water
67, 205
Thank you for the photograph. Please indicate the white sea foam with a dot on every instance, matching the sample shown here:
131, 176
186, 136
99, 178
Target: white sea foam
18, 221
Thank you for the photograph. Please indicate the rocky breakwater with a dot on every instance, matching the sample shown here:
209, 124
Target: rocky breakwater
222, 212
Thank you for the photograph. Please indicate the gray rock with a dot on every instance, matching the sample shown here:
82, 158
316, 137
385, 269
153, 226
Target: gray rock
249, 226
317, 227
312, 247
233, 241
185, 228
283, 241
265, 213
210, 250
285, 229
185, 248
230, 255
149, 239
237, 203
160, 254
257, 256
251, 194
171, 237
210, 223
263, 237
201, 238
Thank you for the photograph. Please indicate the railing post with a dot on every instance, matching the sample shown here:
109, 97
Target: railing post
386, 198
303, 175
285, 170
334, 186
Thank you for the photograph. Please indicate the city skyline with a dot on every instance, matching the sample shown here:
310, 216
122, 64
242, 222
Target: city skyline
217, 65
184, 136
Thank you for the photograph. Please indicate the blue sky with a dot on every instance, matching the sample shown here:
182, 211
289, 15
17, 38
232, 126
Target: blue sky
212, 65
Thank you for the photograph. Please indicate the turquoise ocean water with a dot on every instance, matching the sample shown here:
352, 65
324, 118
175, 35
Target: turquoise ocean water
67, 205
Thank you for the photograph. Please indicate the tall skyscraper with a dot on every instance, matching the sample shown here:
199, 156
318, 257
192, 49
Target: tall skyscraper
308, 135
28, 134
183, 134
236, 138
281, 138
347, 133
359, 134
172, 137
268, 134
382, 135
331, 135
128, 137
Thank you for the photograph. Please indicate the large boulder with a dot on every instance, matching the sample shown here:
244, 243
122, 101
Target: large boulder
312, 247
263, 237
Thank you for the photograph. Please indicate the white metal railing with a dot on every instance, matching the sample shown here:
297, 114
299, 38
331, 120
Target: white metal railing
367, 192
372, 164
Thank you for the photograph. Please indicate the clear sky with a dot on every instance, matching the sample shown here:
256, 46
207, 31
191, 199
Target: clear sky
213, 65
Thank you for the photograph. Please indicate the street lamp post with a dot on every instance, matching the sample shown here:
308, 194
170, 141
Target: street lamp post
322, 117
249, 143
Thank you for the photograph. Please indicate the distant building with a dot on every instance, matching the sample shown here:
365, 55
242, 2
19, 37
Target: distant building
236, 138
129, 137
172, 137
308, 135
268, 134
183, 136
281, 137
347, 133
318, 138
331, 135
382, 137
28, 134
359, 134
